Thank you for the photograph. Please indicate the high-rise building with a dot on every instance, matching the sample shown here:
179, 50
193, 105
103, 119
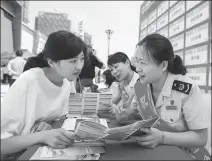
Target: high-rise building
81, 28
48, 22
11, 17
25, 11
87, 38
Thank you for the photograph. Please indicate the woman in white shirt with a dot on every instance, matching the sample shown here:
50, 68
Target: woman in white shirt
40, 95
121, 68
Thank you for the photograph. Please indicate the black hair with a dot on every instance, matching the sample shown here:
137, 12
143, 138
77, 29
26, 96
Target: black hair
19, 53
119, 57
60, 45
38, 61
160, 49
109, 78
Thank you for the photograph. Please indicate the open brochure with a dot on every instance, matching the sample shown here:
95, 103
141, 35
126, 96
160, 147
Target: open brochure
88, 104
93, 131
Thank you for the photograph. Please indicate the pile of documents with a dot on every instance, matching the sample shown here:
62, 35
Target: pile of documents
75, 103
88, 104
91, 131
104, 100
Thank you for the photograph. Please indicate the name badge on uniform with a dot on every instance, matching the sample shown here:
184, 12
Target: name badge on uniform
171, 106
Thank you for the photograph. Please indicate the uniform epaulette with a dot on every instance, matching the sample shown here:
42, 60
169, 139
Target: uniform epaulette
180, 86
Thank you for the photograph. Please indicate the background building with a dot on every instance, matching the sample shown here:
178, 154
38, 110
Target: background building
27, 37
48, 22
39, 42
81, 28
187, 24
26, 12
11, 19
87, 38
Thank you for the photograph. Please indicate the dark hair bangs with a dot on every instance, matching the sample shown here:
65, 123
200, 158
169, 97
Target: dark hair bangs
63, 45
118, 57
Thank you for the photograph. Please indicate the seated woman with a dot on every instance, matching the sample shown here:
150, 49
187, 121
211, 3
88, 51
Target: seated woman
177, 99
40, 96
121, 68
110, 81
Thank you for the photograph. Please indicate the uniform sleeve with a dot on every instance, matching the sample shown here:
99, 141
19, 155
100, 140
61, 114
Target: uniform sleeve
195, 110
13, 109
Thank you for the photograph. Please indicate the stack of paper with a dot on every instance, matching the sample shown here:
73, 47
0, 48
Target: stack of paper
75, 104
90, 130
90, 104
104, 100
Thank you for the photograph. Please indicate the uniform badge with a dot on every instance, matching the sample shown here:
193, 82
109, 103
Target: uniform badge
171, 106
181, 86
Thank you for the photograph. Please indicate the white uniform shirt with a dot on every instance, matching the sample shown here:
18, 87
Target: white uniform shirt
189, 112
129, 88
16, 66
33, 98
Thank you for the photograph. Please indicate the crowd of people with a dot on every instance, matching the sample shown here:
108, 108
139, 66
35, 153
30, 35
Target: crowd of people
40, 94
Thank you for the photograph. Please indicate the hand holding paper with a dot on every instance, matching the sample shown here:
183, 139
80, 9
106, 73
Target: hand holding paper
58, 138
151, 139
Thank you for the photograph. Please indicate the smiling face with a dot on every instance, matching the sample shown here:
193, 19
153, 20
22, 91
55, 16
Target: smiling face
120, 70
149, 72
70, 68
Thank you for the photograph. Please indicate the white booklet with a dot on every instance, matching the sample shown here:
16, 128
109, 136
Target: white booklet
69, 153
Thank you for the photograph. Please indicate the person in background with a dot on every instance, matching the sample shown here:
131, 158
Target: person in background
41, 95
2, 77
110, 81
121, 68
16, 66
176, 98
88, 72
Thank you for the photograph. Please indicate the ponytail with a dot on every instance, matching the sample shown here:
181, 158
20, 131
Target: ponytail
133, 68
177, 67
38, 61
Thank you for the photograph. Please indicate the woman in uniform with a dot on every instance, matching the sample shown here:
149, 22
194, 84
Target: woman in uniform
40, 95
177, 99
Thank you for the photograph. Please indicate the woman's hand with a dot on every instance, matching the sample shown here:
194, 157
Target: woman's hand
127, 99
112, 108
152, 138
40, 126
59, 138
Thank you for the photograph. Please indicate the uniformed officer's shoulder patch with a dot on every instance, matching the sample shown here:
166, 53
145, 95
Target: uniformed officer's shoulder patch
183, 87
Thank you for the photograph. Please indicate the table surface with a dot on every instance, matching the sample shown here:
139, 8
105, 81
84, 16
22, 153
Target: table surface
126, 151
